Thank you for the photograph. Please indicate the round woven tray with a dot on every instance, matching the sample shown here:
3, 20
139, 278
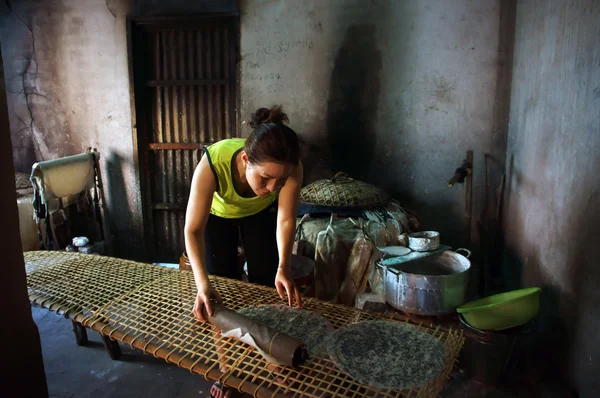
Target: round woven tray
342, 191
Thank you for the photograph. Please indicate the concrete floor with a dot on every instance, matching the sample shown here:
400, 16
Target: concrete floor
73, 371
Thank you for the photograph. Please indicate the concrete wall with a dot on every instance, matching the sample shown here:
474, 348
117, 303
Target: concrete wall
68, 89
552, 217
393, 92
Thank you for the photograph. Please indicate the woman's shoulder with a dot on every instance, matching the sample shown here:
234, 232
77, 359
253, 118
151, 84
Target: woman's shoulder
224, 149
228, 143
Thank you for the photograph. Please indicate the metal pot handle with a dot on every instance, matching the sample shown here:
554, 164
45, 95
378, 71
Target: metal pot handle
465, 250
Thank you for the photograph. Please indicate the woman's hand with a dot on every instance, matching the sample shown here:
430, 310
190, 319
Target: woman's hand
287, 209
286, 287
206, 293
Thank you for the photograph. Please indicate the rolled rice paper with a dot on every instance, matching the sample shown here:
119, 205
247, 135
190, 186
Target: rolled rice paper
384, 354
274, 346
309, 327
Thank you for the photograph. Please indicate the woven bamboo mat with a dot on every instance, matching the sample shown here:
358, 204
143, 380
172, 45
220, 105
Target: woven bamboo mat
75, 283
150, 308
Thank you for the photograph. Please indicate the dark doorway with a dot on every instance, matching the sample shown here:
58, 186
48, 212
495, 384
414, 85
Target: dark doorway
184, 73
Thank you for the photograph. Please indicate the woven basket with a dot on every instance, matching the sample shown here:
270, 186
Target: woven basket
342, 191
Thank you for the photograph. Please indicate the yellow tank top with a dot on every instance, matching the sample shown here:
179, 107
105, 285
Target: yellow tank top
226, 202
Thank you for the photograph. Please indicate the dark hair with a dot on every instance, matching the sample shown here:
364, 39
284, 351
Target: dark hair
271, 140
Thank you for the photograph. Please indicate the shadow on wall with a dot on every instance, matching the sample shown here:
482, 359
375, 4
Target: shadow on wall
122, 223
580, 302
353, 99
556, 351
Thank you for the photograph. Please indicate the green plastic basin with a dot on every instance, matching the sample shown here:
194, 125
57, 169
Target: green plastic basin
502, 311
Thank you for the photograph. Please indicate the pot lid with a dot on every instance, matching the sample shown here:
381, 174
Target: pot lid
413, 255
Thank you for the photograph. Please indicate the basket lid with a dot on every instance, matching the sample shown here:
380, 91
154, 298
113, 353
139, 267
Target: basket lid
343, 192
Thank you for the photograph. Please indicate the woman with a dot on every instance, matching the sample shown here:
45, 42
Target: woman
248, 187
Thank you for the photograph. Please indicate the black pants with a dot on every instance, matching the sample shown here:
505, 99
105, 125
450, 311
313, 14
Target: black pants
258, 233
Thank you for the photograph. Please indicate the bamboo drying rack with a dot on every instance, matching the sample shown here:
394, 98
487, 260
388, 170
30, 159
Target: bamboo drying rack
150, 308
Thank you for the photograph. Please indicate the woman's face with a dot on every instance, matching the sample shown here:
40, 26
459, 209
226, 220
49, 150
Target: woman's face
266, 177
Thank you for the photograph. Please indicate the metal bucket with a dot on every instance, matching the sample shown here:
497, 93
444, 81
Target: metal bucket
432, 285
302, 270
490, 356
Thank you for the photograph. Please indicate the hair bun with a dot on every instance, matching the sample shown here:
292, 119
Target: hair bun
266, 115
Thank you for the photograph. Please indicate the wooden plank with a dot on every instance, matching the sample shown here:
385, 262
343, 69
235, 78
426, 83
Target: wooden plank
193, 20
171, 169
227, 75
208, 56
188, 82
168, 115
140, 158
159, 146
177, 174
218, 73
169, 206
236, 66
184, 23
202, 132
158, 95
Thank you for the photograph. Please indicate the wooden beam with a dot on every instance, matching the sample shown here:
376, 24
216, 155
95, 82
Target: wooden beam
169, 206
201, 82
165, 146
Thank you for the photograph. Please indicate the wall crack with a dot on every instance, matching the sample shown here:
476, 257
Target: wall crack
114, 14
28, 79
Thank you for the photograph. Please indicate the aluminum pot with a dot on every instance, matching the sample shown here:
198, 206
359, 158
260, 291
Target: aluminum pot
432, 285
424, 241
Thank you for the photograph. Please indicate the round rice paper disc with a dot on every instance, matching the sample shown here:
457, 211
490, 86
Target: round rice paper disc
307, 326
387, 355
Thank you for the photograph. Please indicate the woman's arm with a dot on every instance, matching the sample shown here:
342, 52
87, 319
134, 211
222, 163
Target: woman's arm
286, 228
198, 210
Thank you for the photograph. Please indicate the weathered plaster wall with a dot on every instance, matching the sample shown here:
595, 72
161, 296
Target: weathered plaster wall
68, 89
552, 217
392, 92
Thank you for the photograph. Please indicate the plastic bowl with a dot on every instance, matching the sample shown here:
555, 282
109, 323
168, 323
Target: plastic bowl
502, 311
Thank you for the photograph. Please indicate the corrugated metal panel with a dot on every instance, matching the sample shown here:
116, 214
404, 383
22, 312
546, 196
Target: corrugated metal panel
191, 78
